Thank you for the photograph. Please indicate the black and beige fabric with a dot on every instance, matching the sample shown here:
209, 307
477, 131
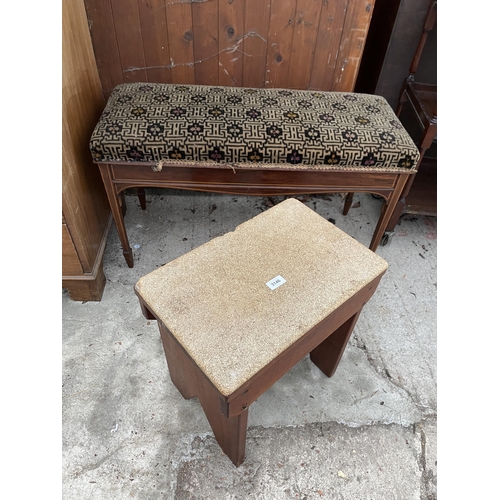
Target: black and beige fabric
263, 128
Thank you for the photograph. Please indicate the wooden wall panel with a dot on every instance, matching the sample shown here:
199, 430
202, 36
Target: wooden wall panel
180, 40
305, 33
206, 42
105, 44
71, 265
155, 40
86, 211
331, 26
356, 24
315, 44
255, 42
279, 46
129, 37
231, 37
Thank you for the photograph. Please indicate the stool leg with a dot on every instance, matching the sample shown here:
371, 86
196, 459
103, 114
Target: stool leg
427, 138
180, 366
122, 202
145, 311
326, 356
230, 432
116, 210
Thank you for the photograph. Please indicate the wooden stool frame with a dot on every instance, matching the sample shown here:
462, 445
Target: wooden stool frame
228, 415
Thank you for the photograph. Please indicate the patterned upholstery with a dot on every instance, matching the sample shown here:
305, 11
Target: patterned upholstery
263, 128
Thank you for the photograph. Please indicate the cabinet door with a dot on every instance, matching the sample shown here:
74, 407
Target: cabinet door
86, 212
70, 263
84, 201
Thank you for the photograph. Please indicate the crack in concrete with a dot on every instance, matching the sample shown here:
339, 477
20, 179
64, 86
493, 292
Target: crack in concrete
384, 372
427, 475
96, 465
199, 444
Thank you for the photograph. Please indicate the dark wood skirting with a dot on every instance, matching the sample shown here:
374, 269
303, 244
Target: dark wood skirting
89, 286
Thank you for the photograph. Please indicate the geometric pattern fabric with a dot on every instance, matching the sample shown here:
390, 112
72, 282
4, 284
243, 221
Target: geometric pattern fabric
256, 128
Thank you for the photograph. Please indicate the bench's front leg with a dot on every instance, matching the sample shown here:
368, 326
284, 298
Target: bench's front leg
387, 211
117, 212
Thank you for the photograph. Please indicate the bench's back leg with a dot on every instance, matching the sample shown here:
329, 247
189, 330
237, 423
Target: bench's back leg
347, 203
141, 194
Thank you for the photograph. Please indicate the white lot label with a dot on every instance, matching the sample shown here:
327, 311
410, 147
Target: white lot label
276, 282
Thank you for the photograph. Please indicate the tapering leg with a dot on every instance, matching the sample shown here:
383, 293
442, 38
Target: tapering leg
116, 210
122, 203
326, 356
141, 194
428, 136
347, 203
387, 211
145, 311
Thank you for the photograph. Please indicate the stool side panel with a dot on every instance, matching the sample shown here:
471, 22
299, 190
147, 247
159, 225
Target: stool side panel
268, 375
229, 431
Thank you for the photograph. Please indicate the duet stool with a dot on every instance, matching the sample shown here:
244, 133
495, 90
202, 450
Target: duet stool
236, 313
265, 142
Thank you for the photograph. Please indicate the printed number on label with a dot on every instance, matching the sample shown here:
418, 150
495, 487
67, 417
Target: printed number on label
276, 282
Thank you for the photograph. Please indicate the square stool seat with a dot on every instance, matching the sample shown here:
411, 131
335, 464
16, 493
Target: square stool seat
236, 313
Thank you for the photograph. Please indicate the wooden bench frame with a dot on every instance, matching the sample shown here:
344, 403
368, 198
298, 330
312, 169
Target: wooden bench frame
224, 178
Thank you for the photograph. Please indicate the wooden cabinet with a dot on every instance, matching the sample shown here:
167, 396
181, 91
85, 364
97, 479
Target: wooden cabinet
394, 35
86, 213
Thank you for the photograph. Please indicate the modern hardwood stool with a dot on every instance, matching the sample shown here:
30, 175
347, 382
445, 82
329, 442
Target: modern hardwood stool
236, 313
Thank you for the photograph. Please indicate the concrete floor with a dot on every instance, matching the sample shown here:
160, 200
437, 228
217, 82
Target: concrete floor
369, 432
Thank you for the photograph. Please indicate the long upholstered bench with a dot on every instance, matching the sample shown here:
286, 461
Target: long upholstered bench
252, 142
